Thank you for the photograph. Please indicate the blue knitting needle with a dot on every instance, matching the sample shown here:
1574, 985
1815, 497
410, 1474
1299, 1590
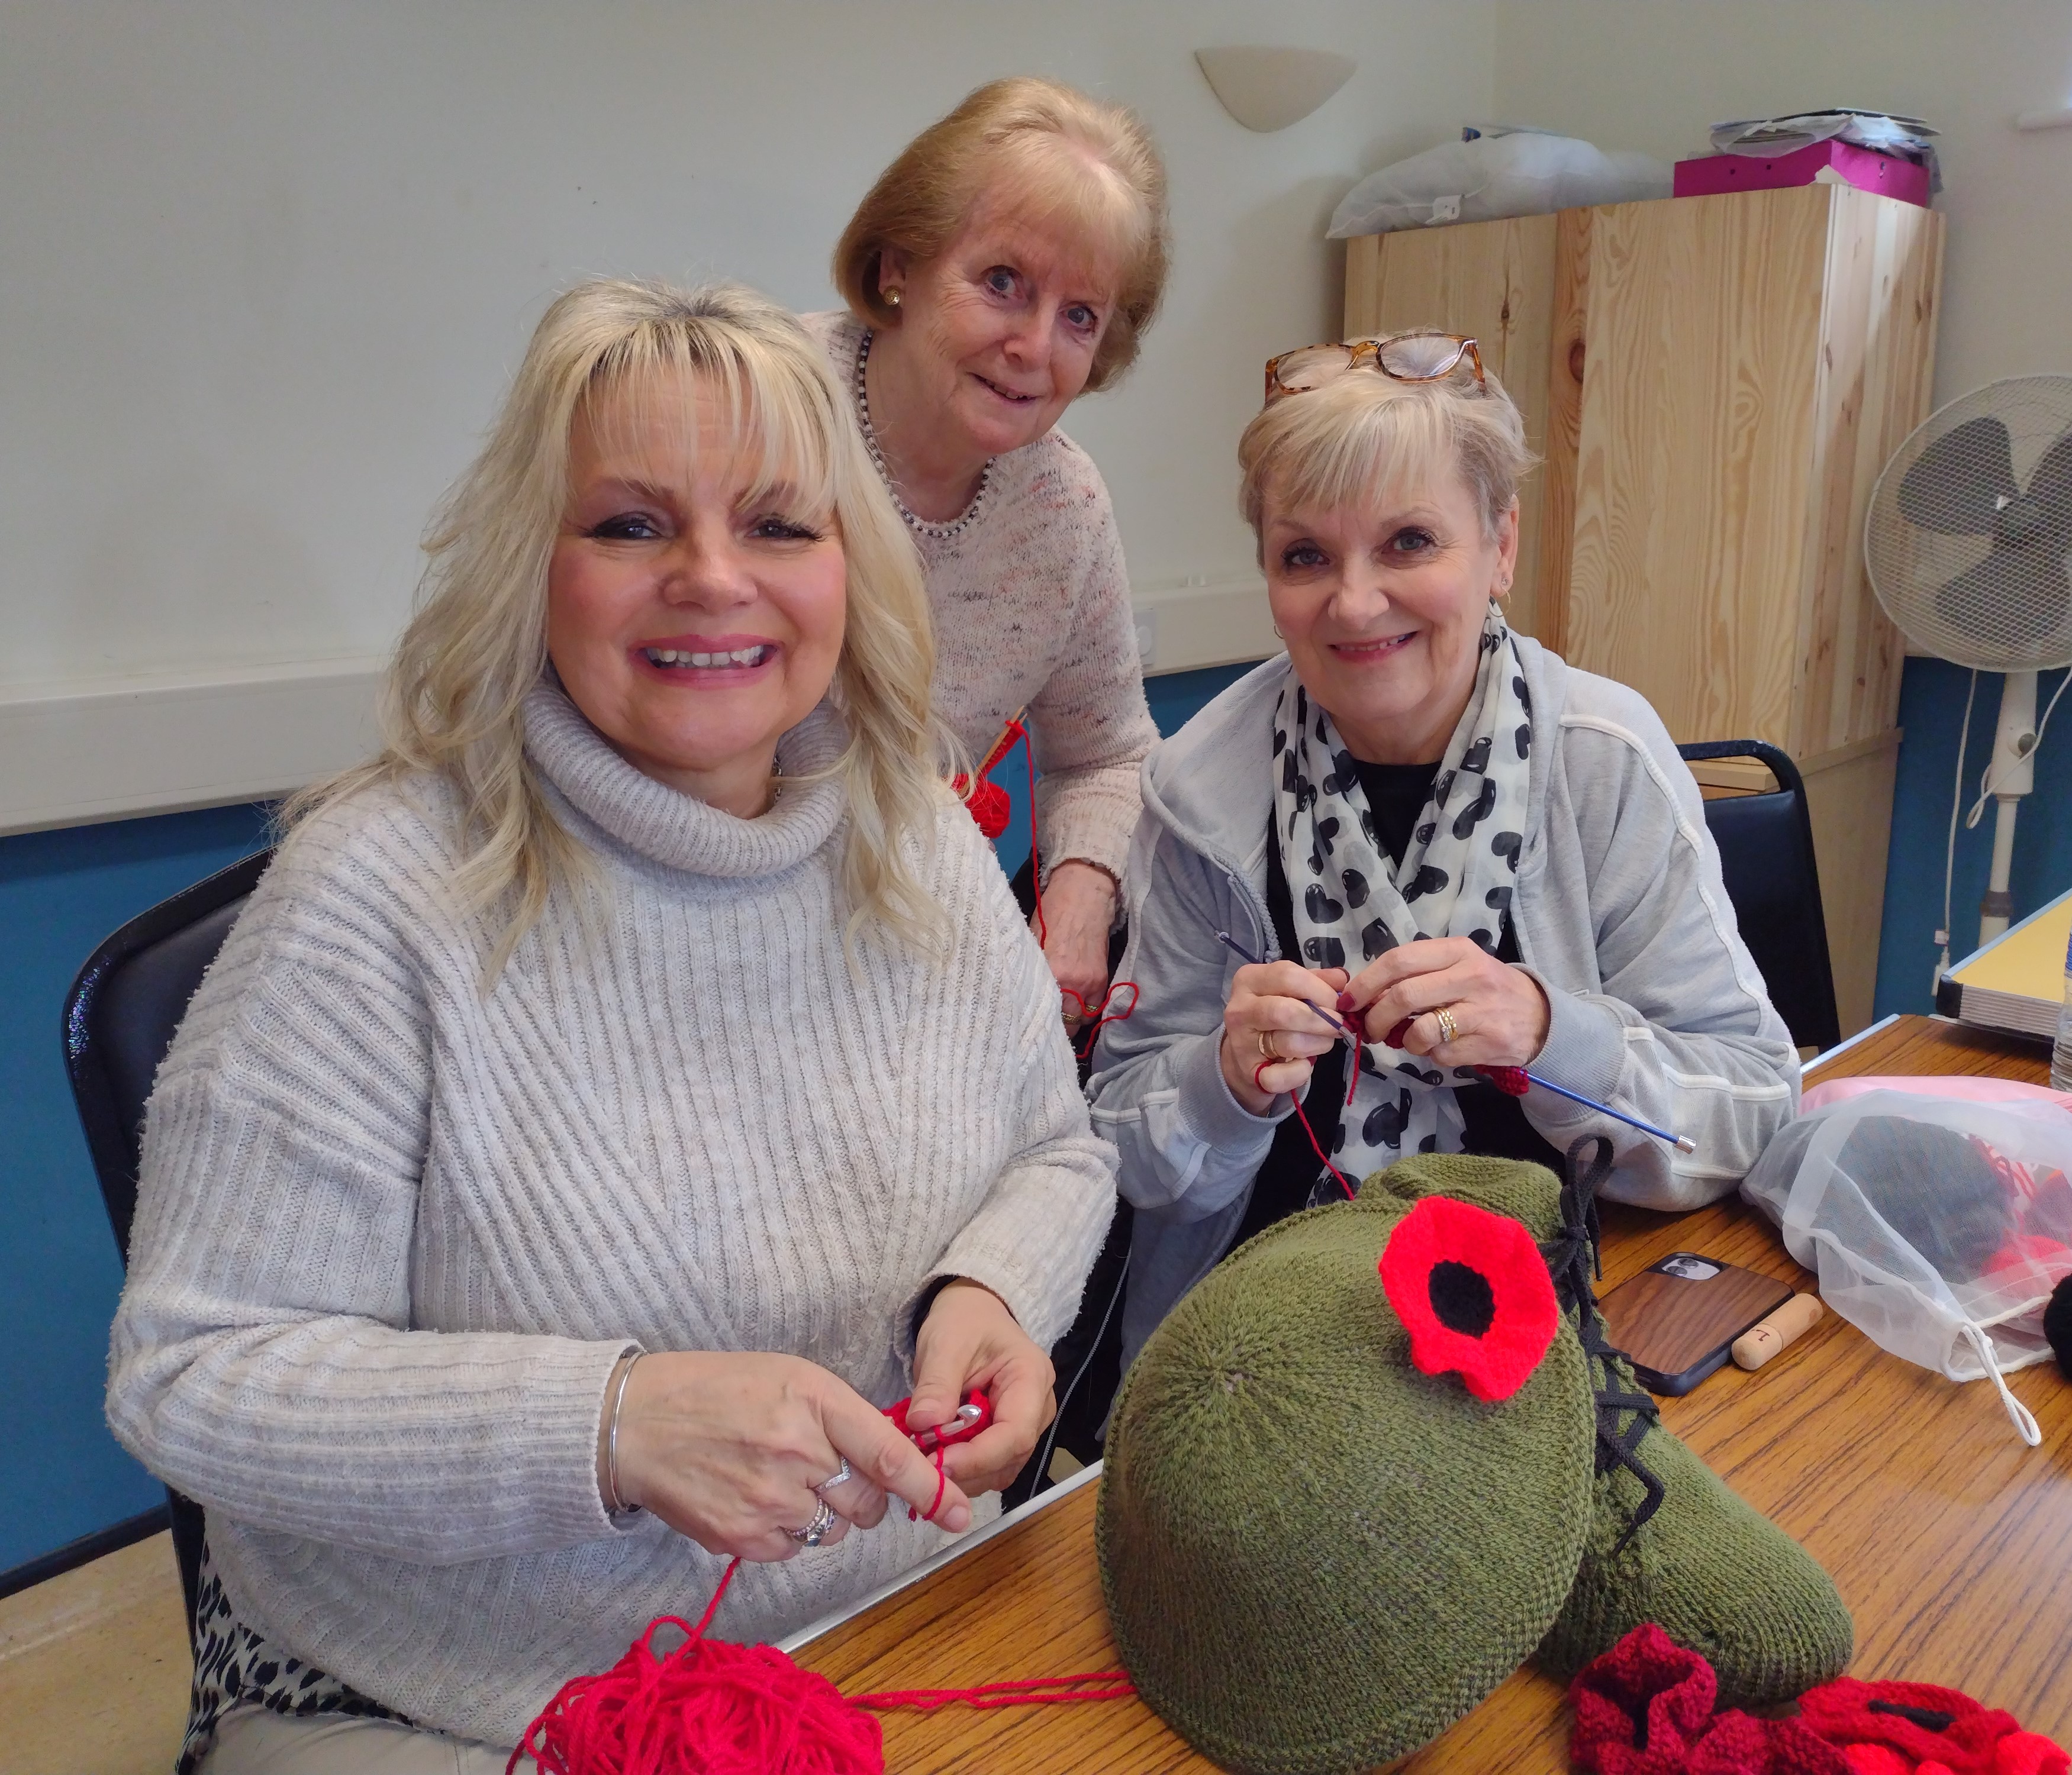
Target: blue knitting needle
1682, 1142
1232, 944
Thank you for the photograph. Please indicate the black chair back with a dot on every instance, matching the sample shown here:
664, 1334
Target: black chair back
119, 1020
1766, 842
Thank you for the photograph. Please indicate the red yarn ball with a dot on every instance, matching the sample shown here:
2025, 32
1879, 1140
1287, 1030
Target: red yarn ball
987, 802
708, 1708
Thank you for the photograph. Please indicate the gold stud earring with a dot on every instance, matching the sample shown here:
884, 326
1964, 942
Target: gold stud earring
892, 299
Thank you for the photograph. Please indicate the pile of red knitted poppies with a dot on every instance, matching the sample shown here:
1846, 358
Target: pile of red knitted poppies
1646, 1708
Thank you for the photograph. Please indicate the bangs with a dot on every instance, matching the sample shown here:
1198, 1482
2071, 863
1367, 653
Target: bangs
650, 390
1062, 185
1340, 448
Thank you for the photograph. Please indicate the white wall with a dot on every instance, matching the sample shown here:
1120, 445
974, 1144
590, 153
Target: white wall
265, 265
1656, 75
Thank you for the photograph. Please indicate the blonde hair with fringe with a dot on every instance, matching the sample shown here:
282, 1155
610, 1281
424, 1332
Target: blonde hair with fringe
1368, 440
1056, 156
452, 698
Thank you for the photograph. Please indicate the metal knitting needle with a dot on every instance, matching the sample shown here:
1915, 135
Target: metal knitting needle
1682, 1142
1239, 949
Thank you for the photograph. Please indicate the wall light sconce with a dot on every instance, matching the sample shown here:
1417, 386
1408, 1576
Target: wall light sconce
1268, 89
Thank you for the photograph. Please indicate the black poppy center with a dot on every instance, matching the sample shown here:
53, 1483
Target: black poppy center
1462, 1298
1926, 1718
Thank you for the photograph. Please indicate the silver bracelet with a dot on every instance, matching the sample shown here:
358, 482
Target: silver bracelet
615, 1505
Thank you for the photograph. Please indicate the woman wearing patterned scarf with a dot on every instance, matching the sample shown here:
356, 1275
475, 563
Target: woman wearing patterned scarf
1430, 828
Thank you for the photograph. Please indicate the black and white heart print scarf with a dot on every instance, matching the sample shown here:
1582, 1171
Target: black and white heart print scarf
1350, 905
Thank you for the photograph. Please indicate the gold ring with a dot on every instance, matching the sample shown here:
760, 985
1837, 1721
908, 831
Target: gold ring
1447, 1032
1268, 1051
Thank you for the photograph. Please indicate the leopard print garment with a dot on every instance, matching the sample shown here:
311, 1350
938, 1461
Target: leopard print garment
234, 1666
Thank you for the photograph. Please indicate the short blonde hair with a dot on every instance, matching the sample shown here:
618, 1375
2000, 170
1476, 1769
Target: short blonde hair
1064, 156
454, 696
1367, 439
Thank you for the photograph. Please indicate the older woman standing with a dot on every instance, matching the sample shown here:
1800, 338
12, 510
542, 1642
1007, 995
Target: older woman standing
612, 1097
1430, 827
1006, 262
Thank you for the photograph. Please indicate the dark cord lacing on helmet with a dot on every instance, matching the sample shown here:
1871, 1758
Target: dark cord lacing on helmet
1572, 1258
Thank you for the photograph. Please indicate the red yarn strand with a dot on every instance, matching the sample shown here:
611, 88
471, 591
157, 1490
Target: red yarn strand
1035, 861
1352, 1085
1022, 1692
941, 1485
1092, 1018
712, 1707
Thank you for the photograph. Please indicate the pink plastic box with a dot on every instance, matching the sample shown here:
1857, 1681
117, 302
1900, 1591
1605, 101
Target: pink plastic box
1864, 168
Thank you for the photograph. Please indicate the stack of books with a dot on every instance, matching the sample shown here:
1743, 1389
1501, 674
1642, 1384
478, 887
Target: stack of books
2016, 982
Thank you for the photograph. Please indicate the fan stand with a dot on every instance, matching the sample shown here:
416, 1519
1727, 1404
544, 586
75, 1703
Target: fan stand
2011, 775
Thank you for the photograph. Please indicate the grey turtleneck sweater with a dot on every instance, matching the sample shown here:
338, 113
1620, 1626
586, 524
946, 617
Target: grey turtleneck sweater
393, 1234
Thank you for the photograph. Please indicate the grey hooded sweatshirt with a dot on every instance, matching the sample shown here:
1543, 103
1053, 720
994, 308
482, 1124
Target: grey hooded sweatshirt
1620, 914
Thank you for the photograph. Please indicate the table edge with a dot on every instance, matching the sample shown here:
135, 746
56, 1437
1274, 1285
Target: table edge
913, 1575
1848, 1043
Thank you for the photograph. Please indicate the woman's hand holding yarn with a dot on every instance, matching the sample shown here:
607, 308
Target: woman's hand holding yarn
1078, 912
1271, 1033
728, 1449
1497, 1012
968, 1340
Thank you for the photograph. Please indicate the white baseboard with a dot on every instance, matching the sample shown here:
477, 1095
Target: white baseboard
72, 753
92, 749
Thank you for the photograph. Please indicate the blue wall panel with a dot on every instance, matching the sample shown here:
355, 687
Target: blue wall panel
61, 1473
1173, 696
1932, 709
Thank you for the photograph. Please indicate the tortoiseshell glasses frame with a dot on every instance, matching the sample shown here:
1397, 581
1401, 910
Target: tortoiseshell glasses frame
1421, 355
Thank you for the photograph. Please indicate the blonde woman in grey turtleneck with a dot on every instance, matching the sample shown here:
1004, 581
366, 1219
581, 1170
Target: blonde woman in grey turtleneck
610, 1099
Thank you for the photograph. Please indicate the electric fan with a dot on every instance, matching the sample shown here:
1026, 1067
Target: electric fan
1967, 542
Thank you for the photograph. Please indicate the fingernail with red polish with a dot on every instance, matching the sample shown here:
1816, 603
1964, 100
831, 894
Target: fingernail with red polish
1345, 1002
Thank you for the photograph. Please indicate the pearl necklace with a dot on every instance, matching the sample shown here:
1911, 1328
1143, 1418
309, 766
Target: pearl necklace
920, 526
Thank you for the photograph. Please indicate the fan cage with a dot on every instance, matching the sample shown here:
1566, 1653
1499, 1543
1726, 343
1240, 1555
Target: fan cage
1995, 601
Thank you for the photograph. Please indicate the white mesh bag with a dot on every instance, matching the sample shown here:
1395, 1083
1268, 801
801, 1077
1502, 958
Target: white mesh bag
1523, 173
1937, 1227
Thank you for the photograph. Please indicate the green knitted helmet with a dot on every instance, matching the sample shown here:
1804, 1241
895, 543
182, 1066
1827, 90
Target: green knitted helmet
1315, 1557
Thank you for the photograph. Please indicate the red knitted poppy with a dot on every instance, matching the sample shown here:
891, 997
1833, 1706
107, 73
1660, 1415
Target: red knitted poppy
1900, 1728
1645, 1707
1472, 1289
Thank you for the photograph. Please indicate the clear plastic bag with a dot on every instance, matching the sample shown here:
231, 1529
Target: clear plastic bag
1937, 1226
1521, 173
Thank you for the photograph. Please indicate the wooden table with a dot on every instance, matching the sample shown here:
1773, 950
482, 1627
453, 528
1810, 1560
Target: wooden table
1951, 1541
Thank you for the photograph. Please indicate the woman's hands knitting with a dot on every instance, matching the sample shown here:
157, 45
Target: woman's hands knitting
969, 1339
1269, 1013
727, 1450
1078, 912
1499, 1012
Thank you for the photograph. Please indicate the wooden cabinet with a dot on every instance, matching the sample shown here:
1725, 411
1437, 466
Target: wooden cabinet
1714, 383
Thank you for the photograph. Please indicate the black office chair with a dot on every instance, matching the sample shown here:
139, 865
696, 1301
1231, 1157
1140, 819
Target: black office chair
119, 1020
1765, 844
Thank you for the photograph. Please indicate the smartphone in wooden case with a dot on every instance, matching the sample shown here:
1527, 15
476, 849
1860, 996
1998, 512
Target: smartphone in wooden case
1676, 1320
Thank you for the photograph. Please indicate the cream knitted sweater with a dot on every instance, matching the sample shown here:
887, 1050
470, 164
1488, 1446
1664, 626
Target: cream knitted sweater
1031, 603
392, 1234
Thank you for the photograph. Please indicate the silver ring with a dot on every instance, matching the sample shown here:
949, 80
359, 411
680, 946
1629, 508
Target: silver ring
1447, 1032
816, 1531
841, 1477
